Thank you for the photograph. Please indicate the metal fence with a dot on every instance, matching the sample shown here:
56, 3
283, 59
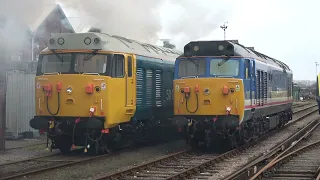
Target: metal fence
20, 102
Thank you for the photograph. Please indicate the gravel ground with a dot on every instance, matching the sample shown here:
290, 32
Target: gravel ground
24, 153
23, 143
232, 164
112, 164
9, 170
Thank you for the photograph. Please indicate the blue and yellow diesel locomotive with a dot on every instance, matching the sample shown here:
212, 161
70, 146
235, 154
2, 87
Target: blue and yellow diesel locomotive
229, 93
97, 91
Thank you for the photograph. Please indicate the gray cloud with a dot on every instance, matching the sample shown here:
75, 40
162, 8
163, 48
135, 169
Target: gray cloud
195, 20
137, 19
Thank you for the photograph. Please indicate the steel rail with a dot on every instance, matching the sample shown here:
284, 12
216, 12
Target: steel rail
195, 169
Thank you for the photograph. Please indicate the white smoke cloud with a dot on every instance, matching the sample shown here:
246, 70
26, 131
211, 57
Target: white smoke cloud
189, 20
138, 19
143, 20
17, 18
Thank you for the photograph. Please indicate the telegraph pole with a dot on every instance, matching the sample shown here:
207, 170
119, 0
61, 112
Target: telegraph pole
317, 64
224, 28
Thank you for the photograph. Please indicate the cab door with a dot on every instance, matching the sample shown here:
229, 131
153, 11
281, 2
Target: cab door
130, 82
253, 94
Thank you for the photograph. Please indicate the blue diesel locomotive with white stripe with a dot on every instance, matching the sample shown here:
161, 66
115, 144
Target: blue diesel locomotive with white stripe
226, 91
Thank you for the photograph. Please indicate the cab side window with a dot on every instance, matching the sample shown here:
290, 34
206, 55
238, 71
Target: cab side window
247, 73
117, 64
129, 66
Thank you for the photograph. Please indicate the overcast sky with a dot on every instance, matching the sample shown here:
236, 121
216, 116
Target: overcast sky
287, 30
284, 29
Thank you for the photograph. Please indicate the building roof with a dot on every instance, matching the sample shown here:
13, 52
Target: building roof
78, 25
35, 19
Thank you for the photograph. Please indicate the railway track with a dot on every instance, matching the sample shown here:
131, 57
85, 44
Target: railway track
41, 164
295, 105
280, 163
26, 146
301, 160
190, 165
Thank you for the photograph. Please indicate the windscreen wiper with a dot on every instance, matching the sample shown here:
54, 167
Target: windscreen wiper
194, 62
223, 61
55, 53
87, 58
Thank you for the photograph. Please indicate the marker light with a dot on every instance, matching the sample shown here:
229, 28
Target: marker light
87, 41
61, 41
51, 41
96, 40
220, 47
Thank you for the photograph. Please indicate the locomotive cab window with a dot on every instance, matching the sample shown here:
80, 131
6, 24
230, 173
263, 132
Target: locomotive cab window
75, 63
53, 63
219, 67
192, 67
90, 63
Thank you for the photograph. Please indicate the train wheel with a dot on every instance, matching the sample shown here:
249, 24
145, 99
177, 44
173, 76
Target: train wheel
247, 135
233, 140
193, 143
63, 144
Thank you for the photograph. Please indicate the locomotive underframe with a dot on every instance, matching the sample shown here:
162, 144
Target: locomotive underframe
224, 132
66, 133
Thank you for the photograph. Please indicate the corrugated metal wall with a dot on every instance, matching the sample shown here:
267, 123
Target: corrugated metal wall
20, 102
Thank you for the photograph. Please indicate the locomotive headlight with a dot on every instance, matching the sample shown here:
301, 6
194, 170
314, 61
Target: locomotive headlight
206, 91
228, 110
220, 47
69, 90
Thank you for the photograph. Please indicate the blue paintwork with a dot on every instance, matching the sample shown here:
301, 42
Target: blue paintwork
147, 93
277, 80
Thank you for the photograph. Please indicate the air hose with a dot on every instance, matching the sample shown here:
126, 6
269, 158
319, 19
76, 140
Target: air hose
196, 107
58, 105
